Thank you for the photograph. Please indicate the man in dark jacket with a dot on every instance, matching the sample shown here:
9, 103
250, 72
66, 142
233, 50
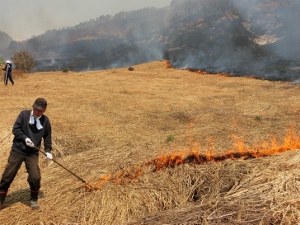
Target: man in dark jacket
8, 73
30, 127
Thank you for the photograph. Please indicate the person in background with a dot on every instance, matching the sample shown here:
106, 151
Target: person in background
8, 70
30, 127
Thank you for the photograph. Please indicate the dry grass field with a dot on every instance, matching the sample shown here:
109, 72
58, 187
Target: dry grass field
129, 135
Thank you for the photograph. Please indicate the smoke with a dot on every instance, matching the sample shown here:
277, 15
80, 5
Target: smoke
125, 39
25, 19
278, 19
244, 38
249, 38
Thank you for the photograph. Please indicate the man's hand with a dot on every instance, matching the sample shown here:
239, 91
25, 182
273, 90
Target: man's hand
49, 155
29, 142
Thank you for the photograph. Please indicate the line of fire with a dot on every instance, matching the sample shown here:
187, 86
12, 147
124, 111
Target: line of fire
239, 150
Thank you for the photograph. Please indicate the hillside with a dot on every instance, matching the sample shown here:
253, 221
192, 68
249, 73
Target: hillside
129, 135
236, 37
5, 40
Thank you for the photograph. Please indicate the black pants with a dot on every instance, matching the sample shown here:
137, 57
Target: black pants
14, 163
9, 76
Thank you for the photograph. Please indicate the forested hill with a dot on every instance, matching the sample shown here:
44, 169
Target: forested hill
239, 37
5, 40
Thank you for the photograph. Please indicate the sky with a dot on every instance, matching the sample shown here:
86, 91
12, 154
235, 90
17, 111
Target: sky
23, 19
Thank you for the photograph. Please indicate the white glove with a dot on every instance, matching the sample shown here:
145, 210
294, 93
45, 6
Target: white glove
49, 155
29, 142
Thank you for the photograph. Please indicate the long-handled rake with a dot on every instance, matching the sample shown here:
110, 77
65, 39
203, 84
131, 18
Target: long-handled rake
75, 175
6, 75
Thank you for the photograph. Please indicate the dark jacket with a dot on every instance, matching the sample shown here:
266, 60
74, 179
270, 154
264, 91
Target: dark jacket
22, 129
8, 66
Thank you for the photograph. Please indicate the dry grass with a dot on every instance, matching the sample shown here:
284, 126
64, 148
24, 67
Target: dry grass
109, 121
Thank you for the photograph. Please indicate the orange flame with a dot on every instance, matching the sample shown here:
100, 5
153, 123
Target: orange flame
239, 151
168, 64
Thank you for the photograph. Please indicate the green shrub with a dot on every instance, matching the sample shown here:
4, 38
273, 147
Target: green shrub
257, 118
170, 138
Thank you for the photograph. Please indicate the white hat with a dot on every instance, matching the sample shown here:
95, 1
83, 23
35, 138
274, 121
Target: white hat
7, 61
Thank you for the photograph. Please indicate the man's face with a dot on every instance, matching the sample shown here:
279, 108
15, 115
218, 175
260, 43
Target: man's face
37, 113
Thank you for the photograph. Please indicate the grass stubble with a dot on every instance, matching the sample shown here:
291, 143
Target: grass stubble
110, 121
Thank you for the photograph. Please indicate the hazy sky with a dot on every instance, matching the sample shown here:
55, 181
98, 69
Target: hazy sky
21, 19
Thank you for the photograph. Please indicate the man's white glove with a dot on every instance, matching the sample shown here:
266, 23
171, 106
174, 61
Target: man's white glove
49, 155
29, 142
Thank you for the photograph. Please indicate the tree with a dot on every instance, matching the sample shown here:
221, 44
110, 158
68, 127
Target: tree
33, 44
23, 60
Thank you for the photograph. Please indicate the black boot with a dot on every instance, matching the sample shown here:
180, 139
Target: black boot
2, 198
34, 199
